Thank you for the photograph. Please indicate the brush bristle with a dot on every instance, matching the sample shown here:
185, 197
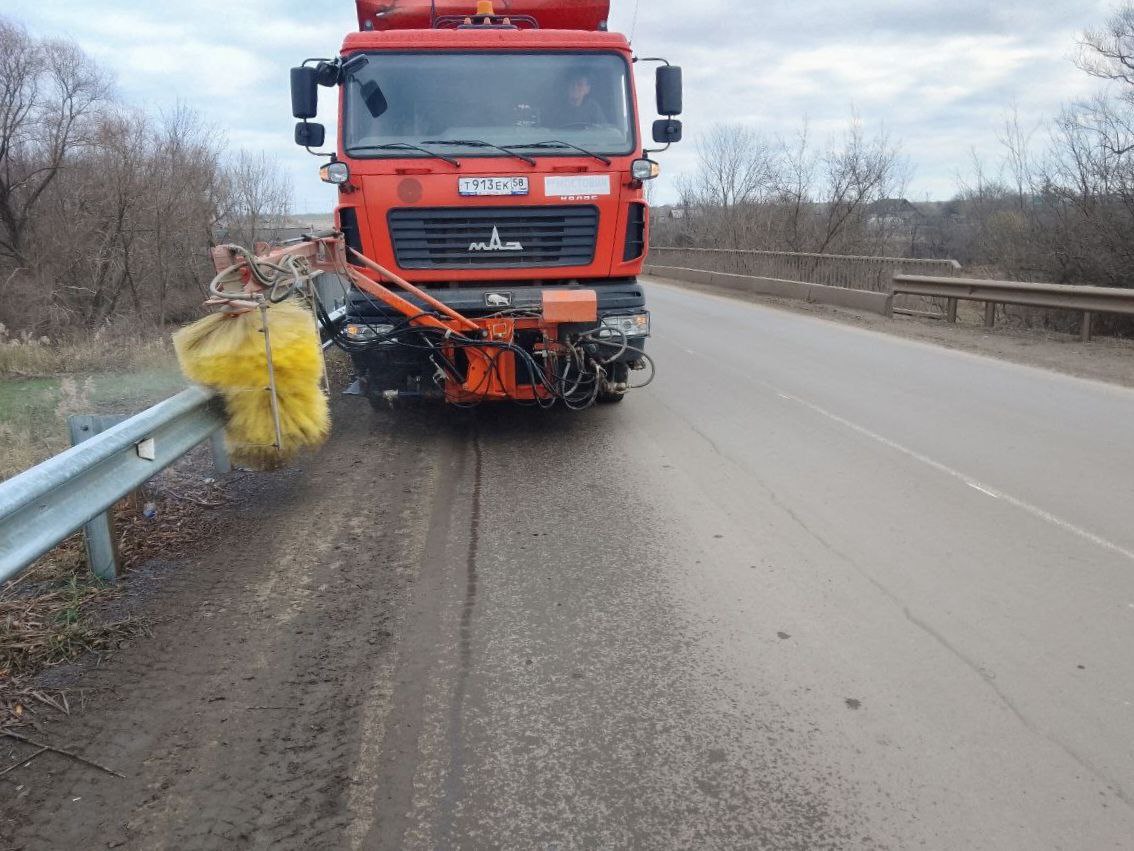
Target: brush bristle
227, 353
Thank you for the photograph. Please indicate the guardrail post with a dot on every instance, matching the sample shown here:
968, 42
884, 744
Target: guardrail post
221, 462
951, 310
1087, 300
98, 535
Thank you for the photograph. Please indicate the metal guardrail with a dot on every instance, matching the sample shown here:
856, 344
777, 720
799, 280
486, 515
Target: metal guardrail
849, 271
1089, 300
42, 506
112, 456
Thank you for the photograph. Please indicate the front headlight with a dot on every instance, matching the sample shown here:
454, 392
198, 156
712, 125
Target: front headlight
635, 325
358, 333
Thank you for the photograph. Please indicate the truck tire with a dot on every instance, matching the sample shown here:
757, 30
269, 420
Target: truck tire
619, 372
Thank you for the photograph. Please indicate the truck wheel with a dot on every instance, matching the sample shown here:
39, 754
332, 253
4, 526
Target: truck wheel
620, 373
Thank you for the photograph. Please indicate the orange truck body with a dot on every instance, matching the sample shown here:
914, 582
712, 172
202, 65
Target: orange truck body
379, 184
537, 244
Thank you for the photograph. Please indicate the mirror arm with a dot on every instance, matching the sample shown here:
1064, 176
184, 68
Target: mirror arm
332, 71
332, 154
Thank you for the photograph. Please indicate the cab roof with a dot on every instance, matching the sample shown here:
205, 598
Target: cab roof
424, 14
485, 39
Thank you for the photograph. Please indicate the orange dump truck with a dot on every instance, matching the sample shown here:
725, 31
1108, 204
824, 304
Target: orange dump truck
489, 154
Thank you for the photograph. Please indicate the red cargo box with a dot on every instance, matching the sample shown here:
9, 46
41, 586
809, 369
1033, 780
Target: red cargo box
417, 14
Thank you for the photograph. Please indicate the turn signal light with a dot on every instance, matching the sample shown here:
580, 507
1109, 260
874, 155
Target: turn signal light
335, 172
644, 169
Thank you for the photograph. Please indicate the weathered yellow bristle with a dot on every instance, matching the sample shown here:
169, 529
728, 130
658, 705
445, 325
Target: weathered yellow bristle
228, 354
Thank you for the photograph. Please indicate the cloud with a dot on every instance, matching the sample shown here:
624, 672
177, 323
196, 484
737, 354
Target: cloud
939, 76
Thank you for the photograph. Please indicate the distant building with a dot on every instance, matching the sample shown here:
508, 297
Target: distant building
667, 211
892, 214
906, 229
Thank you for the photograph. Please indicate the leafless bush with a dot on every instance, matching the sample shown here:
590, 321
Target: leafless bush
258, 197
751, 192
1060, 205
106, 211
49, 94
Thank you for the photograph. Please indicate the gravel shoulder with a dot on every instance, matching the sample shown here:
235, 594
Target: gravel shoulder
1105, 359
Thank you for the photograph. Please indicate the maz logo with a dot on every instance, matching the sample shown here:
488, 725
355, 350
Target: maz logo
495, 244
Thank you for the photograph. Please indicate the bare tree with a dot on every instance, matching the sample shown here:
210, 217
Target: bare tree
795, 190
48, 91
860, 171
107, 211
734, 176
788, 195
1108, 52
735, 166
259, 195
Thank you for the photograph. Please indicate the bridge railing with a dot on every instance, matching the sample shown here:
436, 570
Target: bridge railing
1087, 300
850, 271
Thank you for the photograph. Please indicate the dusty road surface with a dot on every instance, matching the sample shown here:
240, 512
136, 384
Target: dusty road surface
815, 588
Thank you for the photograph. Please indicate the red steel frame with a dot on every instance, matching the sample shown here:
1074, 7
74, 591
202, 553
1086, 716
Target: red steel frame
491, 374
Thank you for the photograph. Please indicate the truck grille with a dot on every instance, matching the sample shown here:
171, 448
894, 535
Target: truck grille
493, 237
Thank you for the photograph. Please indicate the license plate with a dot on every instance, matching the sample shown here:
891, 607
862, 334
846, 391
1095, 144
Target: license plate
492, 185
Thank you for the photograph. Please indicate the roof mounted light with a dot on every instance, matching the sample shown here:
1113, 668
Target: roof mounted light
484, 7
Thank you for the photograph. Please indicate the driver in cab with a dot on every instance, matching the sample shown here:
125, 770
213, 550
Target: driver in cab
578, 108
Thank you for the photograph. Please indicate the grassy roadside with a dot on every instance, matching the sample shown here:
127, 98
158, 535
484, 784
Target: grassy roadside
42, 382
57, 611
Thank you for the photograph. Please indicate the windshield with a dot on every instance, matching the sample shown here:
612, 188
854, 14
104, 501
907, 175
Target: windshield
444, 102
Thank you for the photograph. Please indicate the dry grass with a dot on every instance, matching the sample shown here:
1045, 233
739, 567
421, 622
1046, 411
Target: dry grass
43, 381
55, 626
50, 615
57, 611
105, 350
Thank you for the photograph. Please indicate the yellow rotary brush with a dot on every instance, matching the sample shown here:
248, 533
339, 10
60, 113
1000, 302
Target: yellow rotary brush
267, 364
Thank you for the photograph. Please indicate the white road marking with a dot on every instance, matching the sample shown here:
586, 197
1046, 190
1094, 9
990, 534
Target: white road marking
983, 489
1033, 510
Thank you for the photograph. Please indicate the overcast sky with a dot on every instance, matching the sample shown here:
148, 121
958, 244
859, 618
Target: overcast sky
939, 73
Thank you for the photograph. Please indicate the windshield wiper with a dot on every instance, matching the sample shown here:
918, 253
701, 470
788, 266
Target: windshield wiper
404, 146
555, 143
477, 143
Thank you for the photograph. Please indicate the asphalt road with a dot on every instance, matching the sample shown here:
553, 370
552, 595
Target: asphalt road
815, 587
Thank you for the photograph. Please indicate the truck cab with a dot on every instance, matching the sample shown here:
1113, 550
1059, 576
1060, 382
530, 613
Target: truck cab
488, 155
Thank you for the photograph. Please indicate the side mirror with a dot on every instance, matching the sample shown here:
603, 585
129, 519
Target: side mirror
667, 131
304, 95
669, 90
309, 135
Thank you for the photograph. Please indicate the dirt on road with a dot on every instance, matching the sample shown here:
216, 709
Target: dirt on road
247, 710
